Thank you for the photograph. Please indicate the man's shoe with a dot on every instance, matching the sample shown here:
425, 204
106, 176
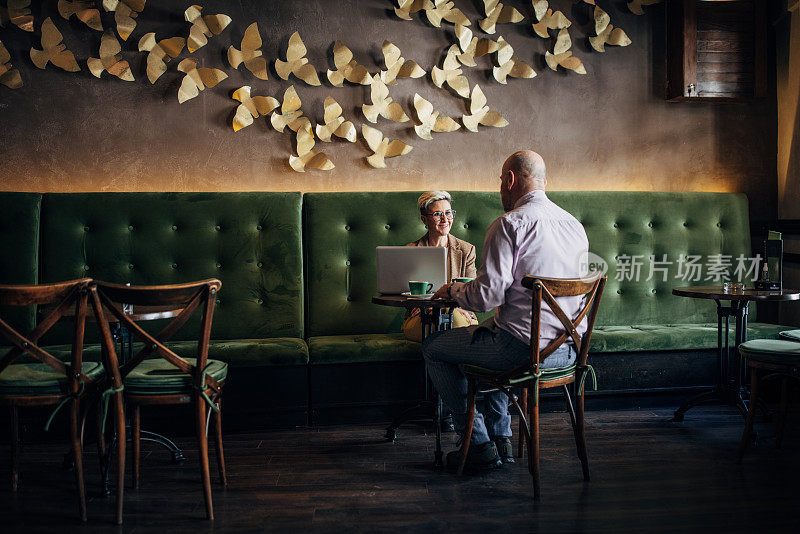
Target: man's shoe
482, 457
504, 449
447, 423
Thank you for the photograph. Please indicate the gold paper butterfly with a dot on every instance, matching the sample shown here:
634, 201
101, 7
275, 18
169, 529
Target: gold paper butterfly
636, 5
84, 10
549, 20
196, 79
203, 26
125, 13
346, 68
307, 157
398, 66
9, 76
562, 55
110, 59
19, 13
382, 104
250, 54
480, 114
472, 47
251, 107
53, 49
441, 10
497, 13
290, 114
509, 65
382, 147
159, 53
606, 33
451, 74
405, 8
335, 125
296, 63
431, 121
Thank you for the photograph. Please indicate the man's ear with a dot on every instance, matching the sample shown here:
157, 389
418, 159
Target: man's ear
512, 179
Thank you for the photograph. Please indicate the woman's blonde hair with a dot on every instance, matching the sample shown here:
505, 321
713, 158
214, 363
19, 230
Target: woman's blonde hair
429, 197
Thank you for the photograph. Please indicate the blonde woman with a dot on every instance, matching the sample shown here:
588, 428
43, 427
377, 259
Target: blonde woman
437, 215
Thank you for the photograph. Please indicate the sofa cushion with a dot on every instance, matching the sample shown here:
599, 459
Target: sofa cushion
19, 252
250, 241
39, 379
159, 377
362, 348
670, 336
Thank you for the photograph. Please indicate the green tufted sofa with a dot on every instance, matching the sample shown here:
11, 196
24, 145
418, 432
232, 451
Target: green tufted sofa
295, 319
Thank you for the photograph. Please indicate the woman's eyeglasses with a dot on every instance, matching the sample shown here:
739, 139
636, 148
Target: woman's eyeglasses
439, 215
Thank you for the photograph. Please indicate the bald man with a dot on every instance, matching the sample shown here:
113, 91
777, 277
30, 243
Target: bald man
534, 236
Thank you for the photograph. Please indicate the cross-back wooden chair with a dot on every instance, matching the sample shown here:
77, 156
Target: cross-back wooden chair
531, 378
156, 375
48, 381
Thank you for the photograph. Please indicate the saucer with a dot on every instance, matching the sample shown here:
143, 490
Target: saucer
426, 296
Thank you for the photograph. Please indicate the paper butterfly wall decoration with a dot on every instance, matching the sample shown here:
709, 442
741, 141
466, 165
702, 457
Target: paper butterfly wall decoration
451, 74
290, 114
159, 53
606, 33
9, 76
19, 13
250, 54
251, 107
509, 65
84, 10
497, 13
480, 114
125, 13
53, 49
405, 8
110, 59
382, 147
382, 104
547, 19
562, 55
296, 63
440, 10
203, 26
307, 157
397, 66
346, 68
196, 79
335, 125
430, 120
472, 47
636, 5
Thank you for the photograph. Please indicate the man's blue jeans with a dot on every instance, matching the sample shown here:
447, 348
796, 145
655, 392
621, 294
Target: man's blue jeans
478, 345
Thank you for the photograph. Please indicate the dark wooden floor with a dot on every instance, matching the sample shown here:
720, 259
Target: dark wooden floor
648, 475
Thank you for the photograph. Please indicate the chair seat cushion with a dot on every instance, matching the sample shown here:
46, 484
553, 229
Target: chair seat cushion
791, 335
656, 337
159, 377
547, 374
23, 379
777, 351
362, 348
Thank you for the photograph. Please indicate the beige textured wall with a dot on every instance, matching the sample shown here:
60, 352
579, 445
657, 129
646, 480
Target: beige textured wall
608, 130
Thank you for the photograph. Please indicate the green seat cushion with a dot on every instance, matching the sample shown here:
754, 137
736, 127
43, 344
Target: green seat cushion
547, 374
657, 337
159, 377
22, 379
791, 335
281, 351
362, 348
771, 351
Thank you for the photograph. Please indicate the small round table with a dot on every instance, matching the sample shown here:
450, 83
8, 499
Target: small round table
729, 388
440, 319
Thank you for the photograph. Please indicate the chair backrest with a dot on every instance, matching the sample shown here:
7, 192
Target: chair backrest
109, 300
547, 291
62, 300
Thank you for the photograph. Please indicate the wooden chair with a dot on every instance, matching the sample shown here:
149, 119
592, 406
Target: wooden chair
770, 359
531, 378
166, 378
49, 381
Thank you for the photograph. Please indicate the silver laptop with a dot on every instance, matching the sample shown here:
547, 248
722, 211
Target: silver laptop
397, 265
